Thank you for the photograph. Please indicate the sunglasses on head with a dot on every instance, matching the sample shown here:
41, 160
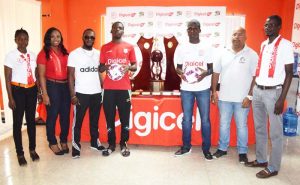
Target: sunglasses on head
89, 37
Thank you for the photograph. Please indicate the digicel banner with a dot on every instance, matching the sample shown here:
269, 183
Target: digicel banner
156, 120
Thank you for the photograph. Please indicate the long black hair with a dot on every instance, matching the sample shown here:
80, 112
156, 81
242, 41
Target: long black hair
47, 43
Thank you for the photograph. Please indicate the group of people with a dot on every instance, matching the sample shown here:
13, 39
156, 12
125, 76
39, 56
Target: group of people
60, 79
244, 77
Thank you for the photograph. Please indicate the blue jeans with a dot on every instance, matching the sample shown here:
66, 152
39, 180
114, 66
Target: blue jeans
203, 104
60, 102
227, 109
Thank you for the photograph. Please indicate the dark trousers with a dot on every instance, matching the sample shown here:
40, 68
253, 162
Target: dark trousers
59, 105
121, 100
25, 99
93, 102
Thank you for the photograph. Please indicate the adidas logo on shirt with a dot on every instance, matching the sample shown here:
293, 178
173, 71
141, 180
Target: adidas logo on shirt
89, 69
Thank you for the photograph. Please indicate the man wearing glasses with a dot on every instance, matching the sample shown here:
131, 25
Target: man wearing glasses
85, 88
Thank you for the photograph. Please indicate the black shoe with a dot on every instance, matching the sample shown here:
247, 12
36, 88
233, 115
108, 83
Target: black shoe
243, 159
110, 149
56, 150
64, 148
125, 150
219, 153
208, 156
98, 148
22, 161
75, 153
34, 156
183, 151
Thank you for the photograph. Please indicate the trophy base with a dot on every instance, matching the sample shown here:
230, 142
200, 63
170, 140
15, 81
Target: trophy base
157, 85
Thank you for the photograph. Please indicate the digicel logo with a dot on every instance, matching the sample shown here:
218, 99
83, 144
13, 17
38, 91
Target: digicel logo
89, 69
296, 26
136, 24
127, 14
212, 24
164, 14
145, 122
203, 13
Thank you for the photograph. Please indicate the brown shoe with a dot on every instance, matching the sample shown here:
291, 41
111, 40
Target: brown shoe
256, 164
266, 173
64, 147
56, 150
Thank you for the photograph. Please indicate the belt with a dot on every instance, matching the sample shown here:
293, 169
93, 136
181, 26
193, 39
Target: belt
57, 81
268, 87
22, 85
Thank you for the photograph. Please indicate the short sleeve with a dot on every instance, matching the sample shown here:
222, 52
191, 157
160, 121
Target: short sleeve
132, 57
102, 56
254, 61
288, 53
9, 59
177, 55
72, 59
41, 58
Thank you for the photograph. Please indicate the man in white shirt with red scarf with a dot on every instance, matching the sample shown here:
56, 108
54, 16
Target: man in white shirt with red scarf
273, 78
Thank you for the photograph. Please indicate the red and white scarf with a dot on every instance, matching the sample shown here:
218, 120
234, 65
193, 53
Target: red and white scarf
273, 59
26, 59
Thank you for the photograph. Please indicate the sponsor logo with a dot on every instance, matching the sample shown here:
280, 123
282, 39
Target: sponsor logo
136, 24
145, 122
207, 35
216, 24
217, 13
129, 35
296, 26
89, 69
202, 13
141, 14
117, 61
216, 34
127, 14
173, 24
179, 13
215, 45
194, 63
164, 14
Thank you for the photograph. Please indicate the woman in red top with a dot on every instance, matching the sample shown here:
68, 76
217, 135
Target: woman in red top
52, 70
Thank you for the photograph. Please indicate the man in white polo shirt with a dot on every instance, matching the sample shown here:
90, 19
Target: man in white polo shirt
86, 92
274, 74
236, 69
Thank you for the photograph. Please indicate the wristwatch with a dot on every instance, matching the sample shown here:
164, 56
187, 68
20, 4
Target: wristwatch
250, 97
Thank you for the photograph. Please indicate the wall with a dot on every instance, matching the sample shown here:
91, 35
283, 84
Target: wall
73, 16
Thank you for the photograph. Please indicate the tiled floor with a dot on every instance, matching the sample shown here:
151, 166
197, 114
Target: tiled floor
146, 165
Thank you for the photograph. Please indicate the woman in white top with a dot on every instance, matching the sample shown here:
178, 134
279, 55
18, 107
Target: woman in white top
19, 69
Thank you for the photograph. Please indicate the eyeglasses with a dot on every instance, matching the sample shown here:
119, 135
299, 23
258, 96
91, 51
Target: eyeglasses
89, 37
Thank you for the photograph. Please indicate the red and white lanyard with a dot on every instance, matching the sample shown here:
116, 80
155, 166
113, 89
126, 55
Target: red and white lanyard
273, 59
30, 79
